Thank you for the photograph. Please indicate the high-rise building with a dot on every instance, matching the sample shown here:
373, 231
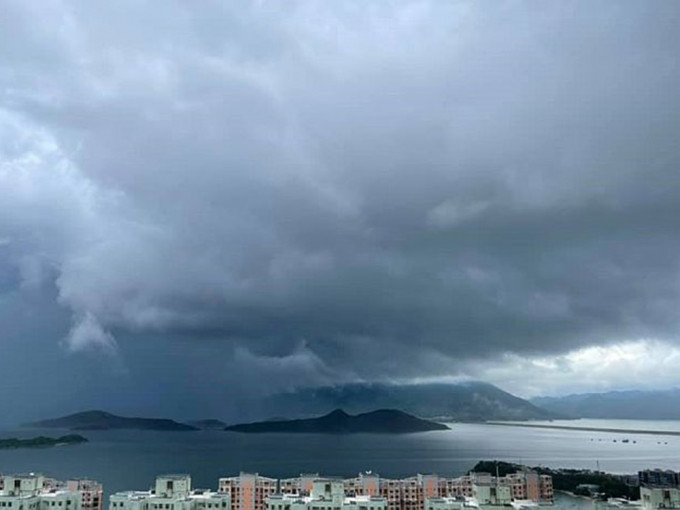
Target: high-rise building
659, 478
654, 498
91, 493
301, 485
248, 491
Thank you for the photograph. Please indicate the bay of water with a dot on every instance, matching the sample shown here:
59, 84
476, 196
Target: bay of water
127, 459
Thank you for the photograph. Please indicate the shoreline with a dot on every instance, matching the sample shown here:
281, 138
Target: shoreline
587, 429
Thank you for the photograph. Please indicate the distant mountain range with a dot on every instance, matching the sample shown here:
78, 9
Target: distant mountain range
472, 401
385, 421
101, 420
634, 405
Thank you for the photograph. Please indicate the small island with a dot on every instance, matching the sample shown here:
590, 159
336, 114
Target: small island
101, 420
386, 421
41, 441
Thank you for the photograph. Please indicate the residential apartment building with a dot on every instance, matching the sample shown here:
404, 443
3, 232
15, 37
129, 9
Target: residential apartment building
91, 493
659, 497
529, 485
452, 503
36, 492
171, 492
658, 478
301, 485
659, 489
461, 486
248, 491
325, 494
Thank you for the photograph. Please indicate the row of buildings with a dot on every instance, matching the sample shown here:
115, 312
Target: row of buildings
36, 492
250, 491
367, 491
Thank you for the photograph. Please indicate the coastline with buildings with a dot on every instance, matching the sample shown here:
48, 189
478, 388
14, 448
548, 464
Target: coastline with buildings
36, 492
251, 491
520, 489
367, 491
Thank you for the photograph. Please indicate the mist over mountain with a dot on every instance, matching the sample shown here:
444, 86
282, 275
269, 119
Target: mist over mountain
633, 405
471, 401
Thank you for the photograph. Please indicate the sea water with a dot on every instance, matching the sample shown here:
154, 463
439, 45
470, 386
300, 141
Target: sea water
129, 459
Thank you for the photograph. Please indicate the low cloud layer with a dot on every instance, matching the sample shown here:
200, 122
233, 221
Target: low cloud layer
352, 191
640, 364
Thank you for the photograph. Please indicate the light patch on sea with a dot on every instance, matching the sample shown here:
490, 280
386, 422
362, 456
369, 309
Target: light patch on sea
632, 425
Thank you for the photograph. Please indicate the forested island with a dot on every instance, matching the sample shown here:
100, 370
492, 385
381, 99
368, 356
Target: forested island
101, 420
384, 421
41, 441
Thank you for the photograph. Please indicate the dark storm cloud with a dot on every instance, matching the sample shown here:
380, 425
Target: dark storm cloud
345, 190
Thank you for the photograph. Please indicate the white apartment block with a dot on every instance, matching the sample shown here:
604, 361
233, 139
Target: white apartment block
35, 492
452, 503
171, 492
659, 497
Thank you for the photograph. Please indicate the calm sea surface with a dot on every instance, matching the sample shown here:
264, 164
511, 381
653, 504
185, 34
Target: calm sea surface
131, 459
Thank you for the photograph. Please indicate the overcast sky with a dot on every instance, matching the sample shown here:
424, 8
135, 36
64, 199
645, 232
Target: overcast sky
204, 202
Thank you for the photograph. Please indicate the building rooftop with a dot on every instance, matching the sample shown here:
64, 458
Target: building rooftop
363, 499
133, 494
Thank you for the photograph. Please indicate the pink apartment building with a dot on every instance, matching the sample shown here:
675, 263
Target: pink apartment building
248, 491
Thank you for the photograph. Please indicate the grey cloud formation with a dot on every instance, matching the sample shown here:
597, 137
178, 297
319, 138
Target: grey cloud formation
344, 190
